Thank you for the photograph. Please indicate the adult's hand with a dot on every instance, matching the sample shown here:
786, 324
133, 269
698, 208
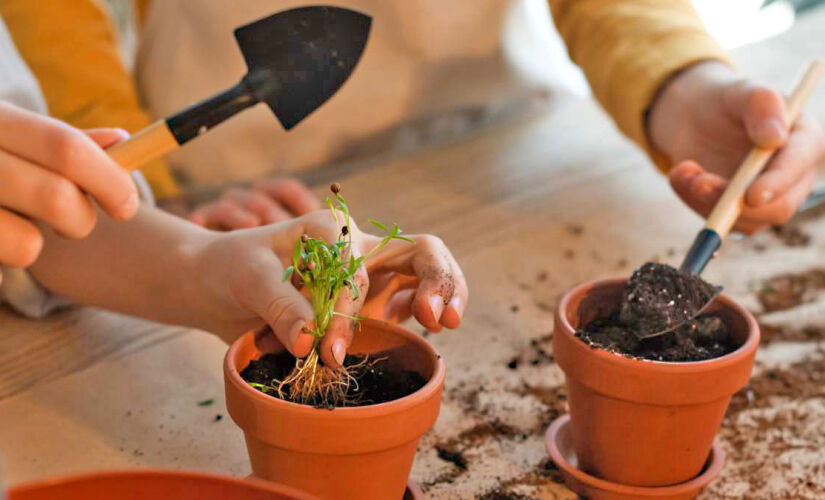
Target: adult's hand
48, 173
708, 118
267, 202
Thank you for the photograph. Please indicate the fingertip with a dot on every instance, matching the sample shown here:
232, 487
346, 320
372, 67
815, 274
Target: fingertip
453, 313
684, 172
198, 219
423, 312
770, 133
127, 209
302, 345
759, 195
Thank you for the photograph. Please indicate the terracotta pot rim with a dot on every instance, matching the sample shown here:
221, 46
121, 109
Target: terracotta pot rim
750, 344
717, 461
398, 405
65, 479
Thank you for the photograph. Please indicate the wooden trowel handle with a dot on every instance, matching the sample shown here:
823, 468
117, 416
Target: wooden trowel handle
730, 204
152, 142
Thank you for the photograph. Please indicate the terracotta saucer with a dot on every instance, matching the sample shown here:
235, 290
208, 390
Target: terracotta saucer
413, 492
558, 442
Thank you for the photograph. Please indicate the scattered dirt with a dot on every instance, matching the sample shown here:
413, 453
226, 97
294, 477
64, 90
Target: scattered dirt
555, 398
799, 381
787, 291
452, 455
536, 354
380, 382
776, 420
771, 333
791, 235
542, 474
575, 229
454, 449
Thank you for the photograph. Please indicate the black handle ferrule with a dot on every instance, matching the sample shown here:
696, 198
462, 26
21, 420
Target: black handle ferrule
706, 244
202, 116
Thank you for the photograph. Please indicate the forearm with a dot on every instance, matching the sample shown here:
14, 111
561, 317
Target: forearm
630, 48
143, 267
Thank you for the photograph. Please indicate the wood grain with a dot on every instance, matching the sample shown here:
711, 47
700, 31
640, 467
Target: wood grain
144, 146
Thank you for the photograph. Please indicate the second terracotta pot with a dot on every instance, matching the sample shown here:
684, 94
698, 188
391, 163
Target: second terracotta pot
362, 453
640, 422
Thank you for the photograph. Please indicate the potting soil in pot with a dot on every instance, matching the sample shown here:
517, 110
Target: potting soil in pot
379, 382
659, 298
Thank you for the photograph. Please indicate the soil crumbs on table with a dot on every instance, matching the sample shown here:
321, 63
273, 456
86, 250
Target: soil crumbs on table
379, 383
659, 297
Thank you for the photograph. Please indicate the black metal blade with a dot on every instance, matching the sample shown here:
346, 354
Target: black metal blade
299, 58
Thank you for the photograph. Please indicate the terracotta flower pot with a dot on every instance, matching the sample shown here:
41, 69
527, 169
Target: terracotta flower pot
362, 453
639, 422
154, 485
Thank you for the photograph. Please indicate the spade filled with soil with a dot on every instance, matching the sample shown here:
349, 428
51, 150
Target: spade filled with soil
661, 317
644, 412
363, 451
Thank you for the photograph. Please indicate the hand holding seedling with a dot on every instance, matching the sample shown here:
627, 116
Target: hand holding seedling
323, 256
707, 119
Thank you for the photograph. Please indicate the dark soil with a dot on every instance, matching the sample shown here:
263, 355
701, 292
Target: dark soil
705, 337
379, 383
659, 297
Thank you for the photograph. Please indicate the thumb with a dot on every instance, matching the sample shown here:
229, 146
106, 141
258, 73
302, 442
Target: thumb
762, 110
287, 312
107, 137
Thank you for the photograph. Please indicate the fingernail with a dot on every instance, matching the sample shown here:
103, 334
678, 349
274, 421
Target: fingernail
436, 306
704, 189
458, 305
302, 339
767, 196
131, 204
339, 351
769, 131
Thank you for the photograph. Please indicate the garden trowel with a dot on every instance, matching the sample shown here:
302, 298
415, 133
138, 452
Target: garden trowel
729, 206
296, 60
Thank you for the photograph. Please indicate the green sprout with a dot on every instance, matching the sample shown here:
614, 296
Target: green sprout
327, 269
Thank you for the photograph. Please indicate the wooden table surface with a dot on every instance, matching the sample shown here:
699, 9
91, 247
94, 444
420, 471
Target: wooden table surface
530, 207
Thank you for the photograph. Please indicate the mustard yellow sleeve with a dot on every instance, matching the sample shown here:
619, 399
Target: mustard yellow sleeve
629, 48
71, 47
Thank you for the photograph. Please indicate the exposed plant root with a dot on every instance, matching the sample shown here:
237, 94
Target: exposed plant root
312, 383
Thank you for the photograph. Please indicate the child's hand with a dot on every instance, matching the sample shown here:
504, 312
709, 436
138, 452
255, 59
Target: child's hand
707, 119
241, 287
269, 201
47, 169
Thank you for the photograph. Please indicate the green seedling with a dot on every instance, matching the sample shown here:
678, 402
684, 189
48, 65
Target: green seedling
327, 269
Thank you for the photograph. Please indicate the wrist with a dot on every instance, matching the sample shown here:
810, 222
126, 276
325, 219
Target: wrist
193, 277
671, 112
